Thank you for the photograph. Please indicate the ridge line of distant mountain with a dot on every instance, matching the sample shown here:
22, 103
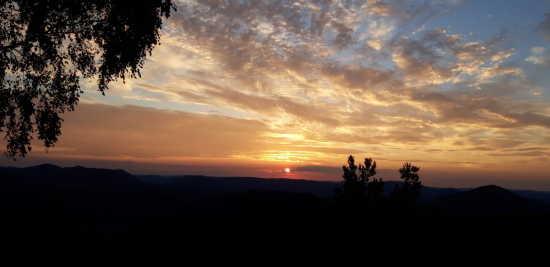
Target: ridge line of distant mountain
200, 184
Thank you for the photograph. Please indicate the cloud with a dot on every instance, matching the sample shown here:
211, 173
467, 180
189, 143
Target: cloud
261, 39
284, 61
539, 57
436, 57
262, 104
419, 64
359, 77
105, 132
498, 70
324, 169
544, 27
102, 130
344, 35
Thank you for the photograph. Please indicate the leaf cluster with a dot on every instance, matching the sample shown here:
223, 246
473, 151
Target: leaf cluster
48, 46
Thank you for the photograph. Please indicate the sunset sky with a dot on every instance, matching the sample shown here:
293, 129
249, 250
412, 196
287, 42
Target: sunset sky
252, 87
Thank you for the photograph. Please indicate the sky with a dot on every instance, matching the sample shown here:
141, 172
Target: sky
251, 87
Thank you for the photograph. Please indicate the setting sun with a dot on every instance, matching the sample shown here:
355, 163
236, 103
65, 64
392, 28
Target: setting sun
287, 170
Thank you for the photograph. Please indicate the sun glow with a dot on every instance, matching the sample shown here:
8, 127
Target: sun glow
287, 170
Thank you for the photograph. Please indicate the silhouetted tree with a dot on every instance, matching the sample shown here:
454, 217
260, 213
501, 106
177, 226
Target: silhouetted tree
357, 180
47, 46
361, 191
375, 188
354, 185
410, 190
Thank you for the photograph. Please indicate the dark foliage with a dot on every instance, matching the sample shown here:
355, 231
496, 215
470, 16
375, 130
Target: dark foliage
48, 46
357, 180
410, 190
403, 198
362, 194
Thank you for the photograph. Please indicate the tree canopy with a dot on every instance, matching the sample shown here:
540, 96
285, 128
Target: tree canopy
357, 180
410, 190
48, 46
359, 191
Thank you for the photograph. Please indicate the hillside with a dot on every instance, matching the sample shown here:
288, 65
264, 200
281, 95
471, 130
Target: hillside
488, 198
96, 200
200, 186
114, 209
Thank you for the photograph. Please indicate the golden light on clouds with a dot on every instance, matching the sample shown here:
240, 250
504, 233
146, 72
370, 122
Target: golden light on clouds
281, 85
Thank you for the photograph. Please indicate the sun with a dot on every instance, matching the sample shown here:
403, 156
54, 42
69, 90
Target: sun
287, 170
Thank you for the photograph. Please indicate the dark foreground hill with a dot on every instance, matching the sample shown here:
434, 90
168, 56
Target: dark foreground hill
221, 219
100, 200
50, 177
90, 192
488, 198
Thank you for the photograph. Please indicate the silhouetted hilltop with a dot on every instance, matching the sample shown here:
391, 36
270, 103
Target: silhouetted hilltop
100, 198
96, 200
48, 174
99, 208
199, 186
85, 199
490, 198
195, 187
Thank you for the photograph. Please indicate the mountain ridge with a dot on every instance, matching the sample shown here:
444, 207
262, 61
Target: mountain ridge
210, 185
489, 198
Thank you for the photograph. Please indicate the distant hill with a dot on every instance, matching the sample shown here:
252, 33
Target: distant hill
89, 191
51, 178
98, 208
86, 198
95, 200
199, 186
51, 175
488, 198
542, 196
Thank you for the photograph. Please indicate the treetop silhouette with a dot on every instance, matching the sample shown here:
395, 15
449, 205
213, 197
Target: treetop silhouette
410, 190
48, 46
359, 189
357, 179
